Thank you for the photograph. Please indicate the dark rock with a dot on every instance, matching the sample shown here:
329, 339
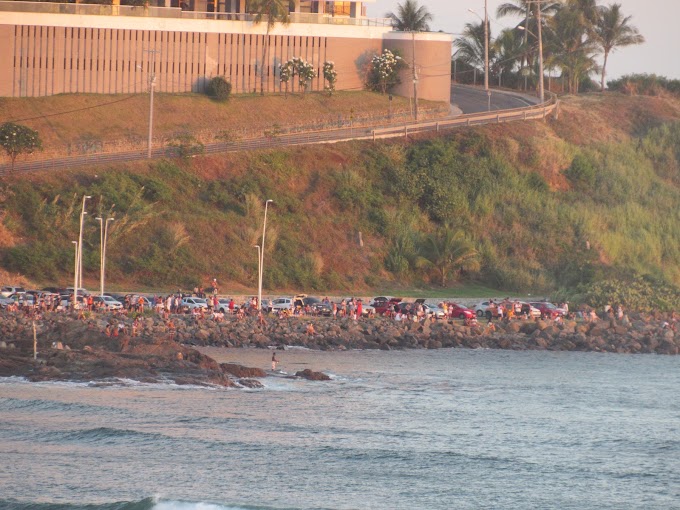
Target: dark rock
312, 376
242, 372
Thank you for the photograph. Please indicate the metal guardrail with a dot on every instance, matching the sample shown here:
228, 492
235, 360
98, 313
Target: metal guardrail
176, 12
534, 112
540, 111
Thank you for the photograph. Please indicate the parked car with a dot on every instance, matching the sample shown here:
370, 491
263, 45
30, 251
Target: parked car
223, 305
460, 311
481, 308
548, 310
5, 301
188, 304
23, 299
411, 307
366, 309
9, 290
434, 310
318, 307
279, 304
383, 304
107, 302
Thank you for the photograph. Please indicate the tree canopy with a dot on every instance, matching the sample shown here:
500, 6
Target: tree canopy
410, 17
17, 139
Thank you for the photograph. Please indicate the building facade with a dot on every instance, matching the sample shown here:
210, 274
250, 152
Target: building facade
50, 48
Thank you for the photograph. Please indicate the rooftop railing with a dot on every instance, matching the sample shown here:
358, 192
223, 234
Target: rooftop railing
175, 12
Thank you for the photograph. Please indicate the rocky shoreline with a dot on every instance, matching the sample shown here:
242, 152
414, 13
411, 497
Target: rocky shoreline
163, 349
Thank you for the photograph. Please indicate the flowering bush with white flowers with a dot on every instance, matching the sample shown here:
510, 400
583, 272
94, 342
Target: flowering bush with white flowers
17, 139
330, 75
384, 71
300, 67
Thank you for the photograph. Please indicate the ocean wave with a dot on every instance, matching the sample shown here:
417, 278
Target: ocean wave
108, 434
144, 504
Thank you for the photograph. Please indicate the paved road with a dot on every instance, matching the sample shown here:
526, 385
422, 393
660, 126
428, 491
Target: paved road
468, 99
475, 100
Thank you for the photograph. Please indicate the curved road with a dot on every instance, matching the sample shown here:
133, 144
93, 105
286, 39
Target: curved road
475, 100
467, 99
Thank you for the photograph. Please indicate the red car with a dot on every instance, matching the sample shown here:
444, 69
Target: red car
384, 304
548, 310
460, 311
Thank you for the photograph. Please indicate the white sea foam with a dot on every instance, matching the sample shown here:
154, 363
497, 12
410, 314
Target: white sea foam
181, 505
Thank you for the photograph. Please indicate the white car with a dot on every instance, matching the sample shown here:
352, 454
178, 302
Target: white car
223, 305
108, 302
191, 303
8, 291
438, 312
279, 304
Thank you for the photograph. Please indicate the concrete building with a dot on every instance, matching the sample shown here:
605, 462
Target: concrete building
54, 48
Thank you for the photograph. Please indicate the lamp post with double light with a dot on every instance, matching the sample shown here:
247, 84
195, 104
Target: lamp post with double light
261, 253
104, 231
75, 274
539, 36
79, 269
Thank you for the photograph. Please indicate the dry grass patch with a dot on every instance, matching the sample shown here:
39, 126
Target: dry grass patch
78, 119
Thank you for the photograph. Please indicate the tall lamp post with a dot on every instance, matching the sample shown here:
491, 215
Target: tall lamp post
259, 271
261, 253
486, 50
79, 272
75, 275
104, 231
541, 90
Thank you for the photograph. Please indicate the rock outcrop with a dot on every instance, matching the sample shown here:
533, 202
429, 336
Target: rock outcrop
71, 349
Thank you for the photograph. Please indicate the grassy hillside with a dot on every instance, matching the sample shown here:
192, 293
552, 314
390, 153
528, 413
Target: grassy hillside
82, 122
592, 196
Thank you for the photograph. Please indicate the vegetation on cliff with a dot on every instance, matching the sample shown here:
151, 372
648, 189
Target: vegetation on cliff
590, 197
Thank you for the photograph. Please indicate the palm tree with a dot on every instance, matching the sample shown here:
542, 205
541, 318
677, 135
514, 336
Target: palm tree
273, 11
447, 249
410, 17
571, 46
613, 31
528, 9
470, 47
509, 51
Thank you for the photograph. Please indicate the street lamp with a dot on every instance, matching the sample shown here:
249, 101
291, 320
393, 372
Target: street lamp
541, 91
259, 270
486, 49
261, 253
75, 275
79, 271
104, 231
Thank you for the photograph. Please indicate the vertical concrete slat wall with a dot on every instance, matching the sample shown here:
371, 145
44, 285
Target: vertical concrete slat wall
42, 60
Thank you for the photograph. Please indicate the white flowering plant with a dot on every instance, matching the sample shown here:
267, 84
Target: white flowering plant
384, 71
300, 67
330, 75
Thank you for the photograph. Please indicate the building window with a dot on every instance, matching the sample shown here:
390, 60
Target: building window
338, 8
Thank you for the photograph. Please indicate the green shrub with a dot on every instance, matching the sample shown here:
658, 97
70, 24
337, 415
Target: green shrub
218, 88
581, 174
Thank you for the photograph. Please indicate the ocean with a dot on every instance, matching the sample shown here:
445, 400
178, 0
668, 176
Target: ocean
400, 430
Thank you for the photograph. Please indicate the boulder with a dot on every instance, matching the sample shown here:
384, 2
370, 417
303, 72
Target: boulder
312, 376
242, 372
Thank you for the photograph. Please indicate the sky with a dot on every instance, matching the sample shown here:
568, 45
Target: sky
655, 19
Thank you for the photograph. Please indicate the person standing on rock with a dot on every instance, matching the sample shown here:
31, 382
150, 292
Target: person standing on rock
274, 361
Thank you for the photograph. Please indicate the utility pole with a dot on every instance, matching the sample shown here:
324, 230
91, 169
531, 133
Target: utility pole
415, 76
540, 52
486, 53
152, 84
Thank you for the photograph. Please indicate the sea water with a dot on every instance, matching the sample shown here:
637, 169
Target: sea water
442, 429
